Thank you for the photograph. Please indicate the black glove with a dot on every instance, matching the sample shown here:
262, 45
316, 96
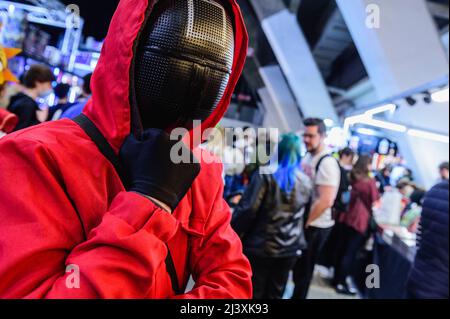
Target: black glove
150, 170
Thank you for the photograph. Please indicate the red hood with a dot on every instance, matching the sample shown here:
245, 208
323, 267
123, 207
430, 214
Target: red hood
110, 107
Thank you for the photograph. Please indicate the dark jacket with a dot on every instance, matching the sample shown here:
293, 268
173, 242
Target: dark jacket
429, 276
25, 108
270, 221
58, 109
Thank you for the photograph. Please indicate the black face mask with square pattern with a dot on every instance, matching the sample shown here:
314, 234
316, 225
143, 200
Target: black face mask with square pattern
183, 62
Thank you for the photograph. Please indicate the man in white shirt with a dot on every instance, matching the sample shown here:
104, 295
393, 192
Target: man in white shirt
324, 170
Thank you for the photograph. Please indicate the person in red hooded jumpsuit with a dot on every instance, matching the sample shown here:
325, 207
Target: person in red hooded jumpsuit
64, 209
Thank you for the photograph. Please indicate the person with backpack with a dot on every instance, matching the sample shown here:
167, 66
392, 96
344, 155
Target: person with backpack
325, 173
331, 251
346, 160
270, 218
356, 221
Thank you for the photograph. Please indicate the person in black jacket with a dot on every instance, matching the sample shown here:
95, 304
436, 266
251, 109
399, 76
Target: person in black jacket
383, 179
62, 91
429, 276
38, 83
269, 220
444, 171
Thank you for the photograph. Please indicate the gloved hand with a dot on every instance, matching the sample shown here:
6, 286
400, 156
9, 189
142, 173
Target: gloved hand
152, 173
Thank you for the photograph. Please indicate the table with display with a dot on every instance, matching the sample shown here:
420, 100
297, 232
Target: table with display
393, 252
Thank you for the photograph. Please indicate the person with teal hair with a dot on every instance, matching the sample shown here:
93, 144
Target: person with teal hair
289, 161
270, 217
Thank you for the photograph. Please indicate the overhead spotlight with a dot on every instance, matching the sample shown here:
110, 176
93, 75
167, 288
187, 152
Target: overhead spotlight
440, 96
411, 101
427, 97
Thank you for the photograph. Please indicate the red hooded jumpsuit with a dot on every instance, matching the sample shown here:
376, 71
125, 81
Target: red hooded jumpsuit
63, 204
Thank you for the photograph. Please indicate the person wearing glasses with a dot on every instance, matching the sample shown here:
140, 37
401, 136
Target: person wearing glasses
325, 173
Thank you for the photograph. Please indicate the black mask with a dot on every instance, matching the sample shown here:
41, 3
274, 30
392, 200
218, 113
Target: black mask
183, 62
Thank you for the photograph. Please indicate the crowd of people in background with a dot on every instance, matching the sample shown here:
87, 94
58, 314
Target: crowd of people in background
20, 101
314, 209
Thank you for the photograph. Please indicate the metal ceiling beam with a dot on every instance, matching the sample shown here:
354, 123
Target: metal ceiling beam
438, 10
394, 62
266, 8
295, 59
294, 5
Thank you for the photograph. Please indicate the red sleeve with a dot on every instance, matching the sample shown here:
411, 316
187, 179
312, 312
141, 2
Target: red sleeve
41, 235
220, 269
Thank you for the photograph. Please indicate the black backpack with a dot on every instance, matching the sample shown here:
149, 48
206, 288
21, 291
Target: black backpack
342, 201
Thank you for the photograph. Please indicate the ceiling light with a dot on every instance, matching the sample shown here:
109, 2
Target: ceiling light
384, 125
429, 136
367, 131
382, 109
440, 96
